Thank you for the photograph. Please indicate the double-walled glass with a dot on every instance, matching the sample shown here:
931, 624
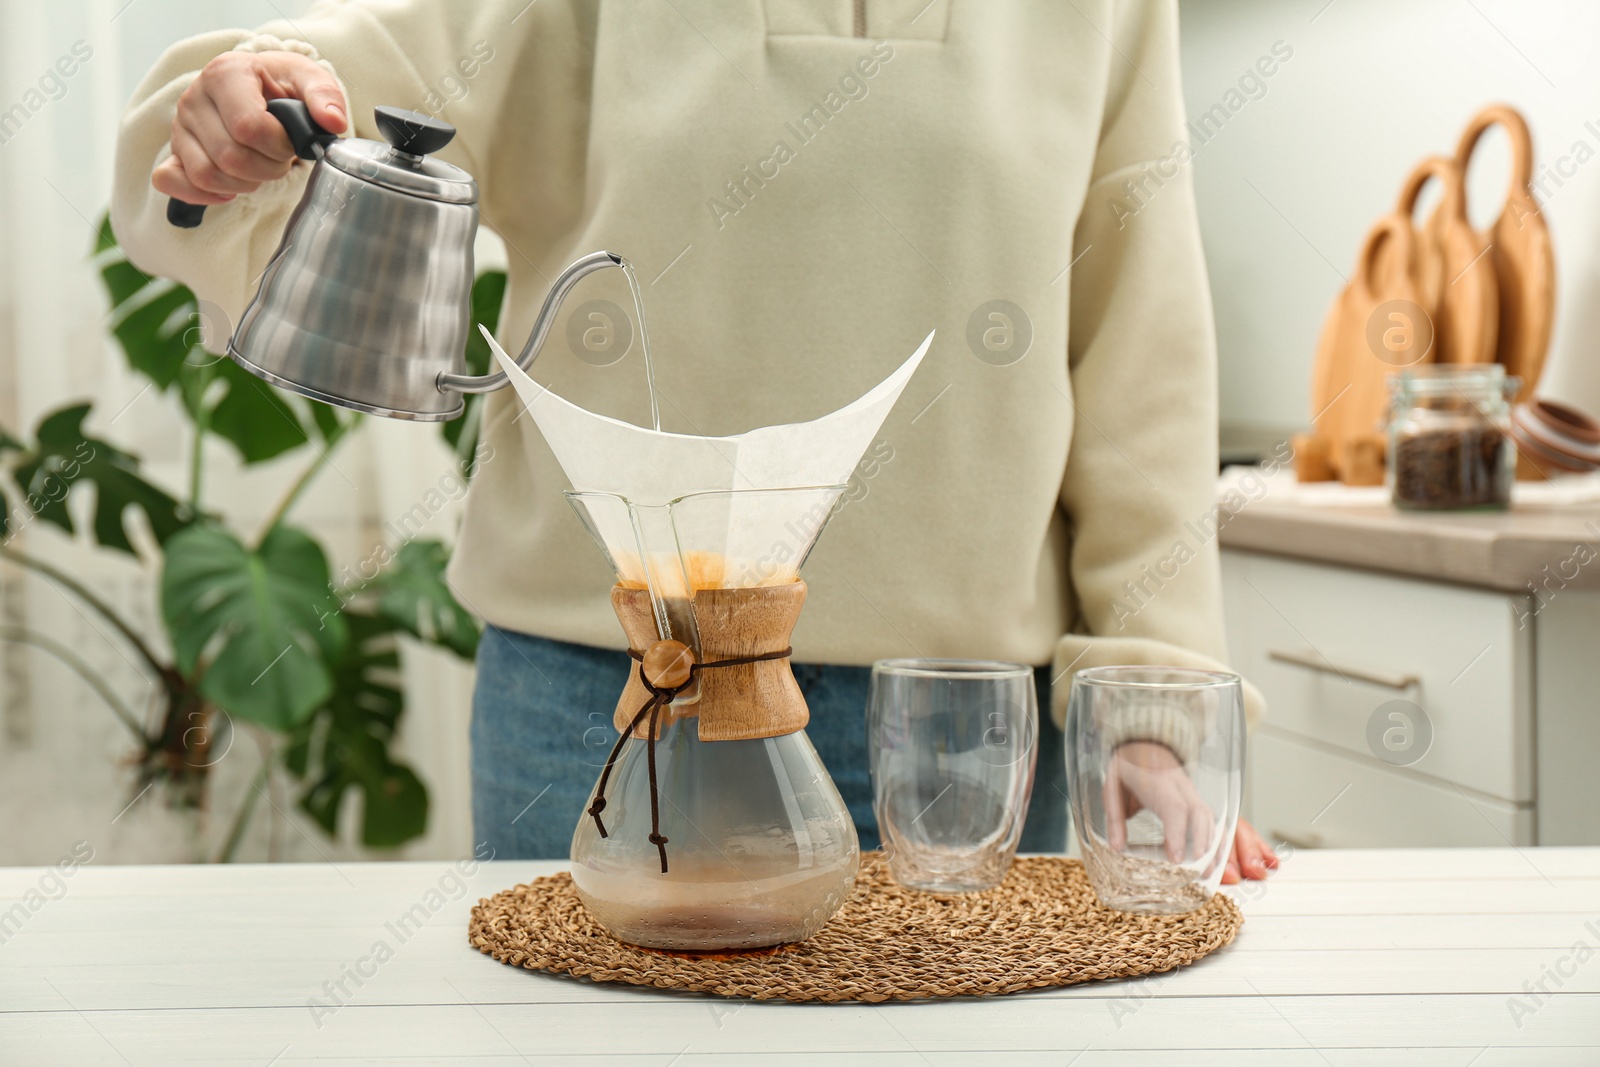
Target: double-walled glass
952, 746
1155, 762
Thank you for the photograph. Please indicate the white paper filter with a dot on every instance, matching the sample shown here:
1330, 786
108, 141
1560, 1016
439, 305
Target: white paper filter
651, 468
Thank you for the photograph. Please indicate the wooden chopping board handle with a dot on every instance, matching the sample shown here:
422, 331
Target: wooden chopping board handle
1448, 174
1455, 275
1516, 127
1385, 251
1522, 254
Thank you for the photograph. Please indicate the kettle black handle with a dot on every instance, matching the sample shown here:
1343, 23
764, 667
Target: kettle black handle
309, 140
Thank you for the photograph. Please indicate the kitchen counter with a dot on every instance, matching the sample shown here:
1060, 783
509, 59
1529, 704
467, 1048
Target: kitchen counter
1441, 952
1495, 550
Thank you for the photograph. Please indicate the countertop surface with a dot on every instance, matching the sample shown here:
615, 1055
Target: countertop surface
1462, 956
1542, 539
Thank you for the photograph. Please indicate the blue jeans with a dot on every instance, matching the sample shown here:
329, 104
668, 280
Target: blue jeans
541, 731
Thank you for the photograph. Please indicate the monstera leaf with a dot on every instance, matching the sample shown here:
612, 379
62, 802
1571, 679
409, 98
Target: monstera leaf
259, 625
257, 419
151, 317
257, 631
157, 322
121, 277
412, 592
345, 746
156, 327
65, 458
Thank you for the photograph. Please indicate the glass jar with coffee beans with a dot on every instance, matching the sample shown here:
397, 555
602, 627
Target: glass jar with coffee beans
1449, 443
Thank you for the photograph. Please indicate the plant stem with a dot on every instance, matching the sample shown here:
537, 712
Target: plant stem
82, 669
313, 468
246, 809
196, 464
82, 592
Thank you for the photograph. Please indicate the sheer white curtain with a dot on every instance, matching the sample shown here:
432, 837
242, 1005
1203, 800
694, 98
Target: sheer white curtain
63, 775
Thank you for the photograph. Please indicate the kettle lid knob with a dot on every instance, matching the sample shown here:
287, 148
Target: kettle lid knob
411, 131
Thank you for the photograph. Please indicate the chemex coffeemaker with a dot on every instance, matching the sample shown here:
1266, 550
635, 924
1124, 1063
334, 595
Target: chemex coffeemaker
713, 824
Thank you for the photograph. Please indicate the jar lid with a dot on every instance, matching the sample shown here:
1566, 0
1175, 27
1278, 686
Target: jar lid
401, 162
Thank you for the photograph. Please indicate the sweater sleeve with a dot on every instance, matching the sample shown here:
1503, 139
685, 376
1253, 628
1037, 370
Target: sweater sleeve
1139, 485
455, 60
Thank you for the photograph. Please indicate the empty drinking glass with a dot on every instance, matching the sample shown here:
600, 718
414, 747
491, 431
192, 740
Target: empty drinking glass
952, 746
1155, 759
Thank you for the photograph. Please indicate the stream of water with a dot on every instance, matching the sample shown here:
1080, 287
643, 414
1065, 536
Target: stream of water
644, 344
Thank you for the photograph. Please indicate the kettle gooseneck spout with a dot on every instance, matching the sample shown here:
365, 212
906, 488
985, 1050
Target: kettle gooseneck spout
488, 383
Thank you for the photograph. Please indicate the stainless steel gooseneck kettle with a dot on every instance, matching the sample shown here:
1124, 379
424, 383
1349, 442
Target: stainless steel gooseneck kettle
367, 302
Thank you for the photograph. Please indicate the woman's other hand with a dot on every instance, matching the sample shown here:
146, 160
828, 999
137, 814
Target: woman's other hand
223, 140
1251, 856
1146, 774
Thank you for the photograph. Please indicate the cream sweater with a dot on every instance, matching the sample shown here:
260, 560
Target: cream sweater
804, 203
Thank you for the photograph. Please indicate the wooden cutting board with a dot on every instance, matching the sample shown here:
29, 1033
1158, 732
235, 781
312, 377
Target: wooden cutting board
1377, 325
1443, 292
1455, 271
1521, 251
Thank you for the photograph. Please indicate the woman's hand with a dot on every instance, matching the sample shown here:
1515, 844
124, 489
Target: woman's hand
1146, 774
1251, 856
223, 140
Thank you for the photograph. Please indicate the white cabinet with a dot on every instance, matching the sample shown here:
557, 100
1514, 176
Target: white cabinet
1359, 668
1314, 796
1567, 681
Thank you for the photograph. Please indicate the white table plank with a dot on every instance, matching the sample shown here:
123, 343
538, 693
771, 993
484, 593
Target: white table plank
402, 982
664, 1028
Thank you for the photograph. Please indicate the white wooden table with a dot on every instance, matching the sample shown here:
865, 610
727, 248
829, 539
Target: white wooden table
1345, 958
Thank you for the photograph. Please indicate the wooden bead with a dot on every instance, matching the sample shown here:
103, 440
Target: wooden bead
667, 664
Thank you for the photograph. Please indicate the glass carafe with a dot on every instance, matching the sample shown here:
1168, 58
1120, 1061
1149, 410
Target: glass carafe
736, 838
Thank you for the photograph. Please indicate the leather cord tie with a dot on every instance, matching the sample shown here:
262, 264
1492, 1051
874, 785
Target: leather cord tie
660, 697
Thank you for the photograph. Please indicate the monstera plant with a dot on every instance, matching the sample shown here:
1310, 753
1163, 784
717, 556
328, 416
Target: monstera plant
258, 632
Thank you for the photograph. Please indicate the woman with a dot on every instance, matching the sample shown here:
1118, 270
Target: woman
807, 187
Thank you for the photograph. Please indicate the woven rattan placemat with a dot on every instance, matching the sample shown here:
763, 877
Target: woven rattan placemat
1041, 927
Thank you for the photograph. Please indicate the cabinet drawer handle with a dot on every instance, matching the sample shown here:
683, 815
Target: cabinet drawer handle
1313, 661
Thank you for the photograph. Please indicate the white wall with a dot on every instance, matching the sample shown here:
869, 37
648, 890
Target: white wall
1290, 185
